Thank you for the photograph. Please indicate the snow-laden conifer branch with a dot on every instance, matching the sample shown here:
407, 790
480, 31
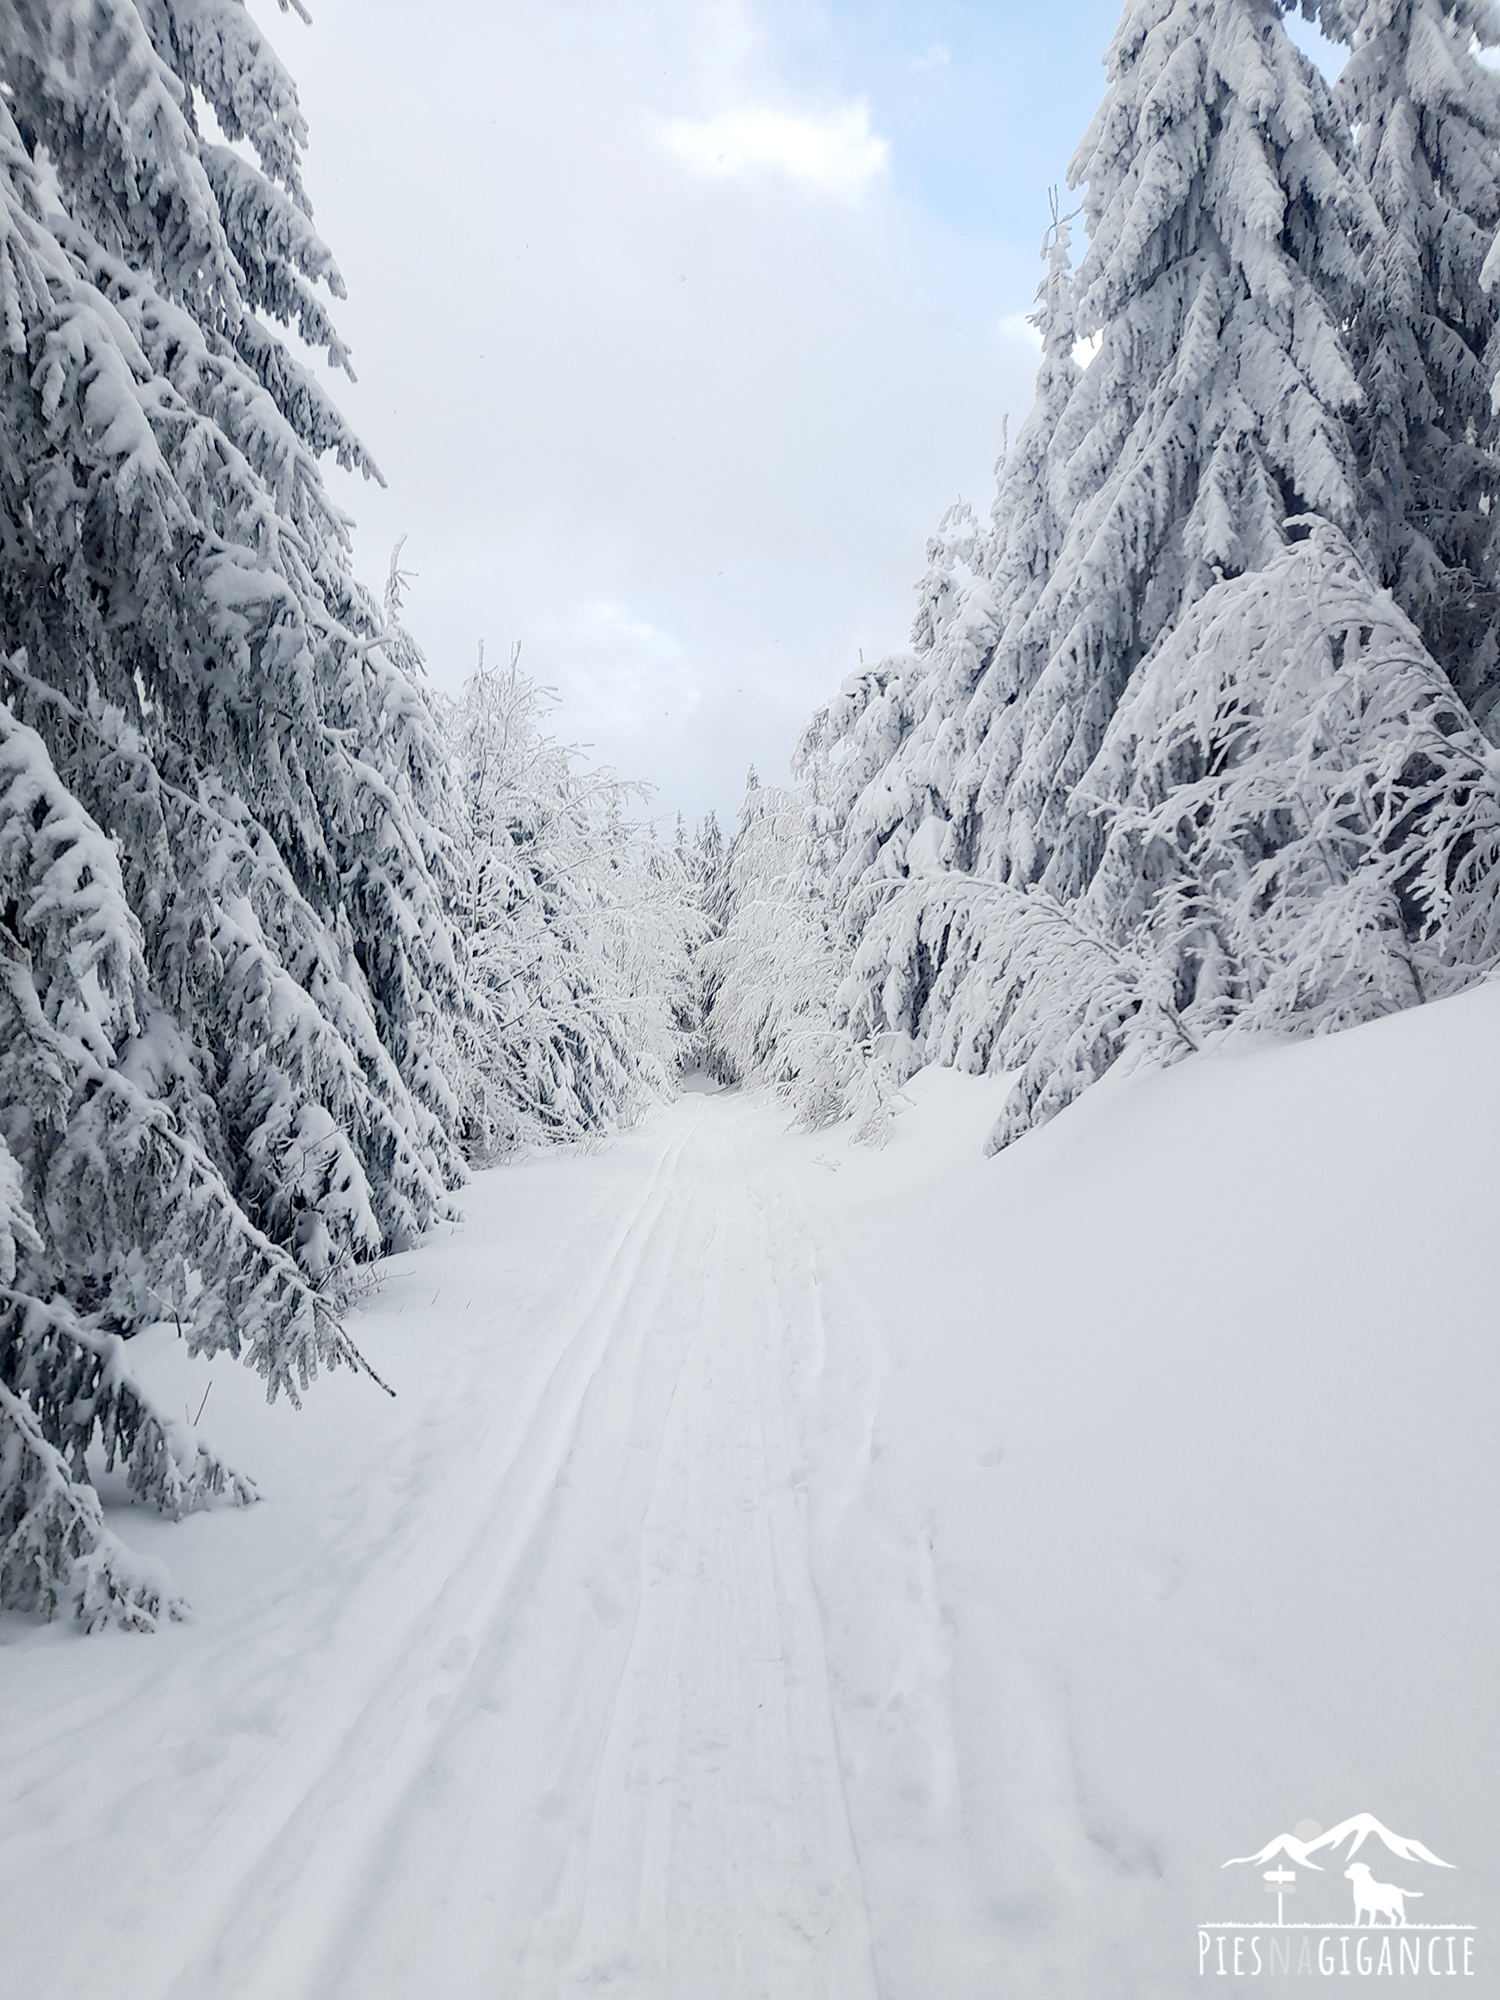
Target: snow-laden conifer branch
113, 118
56, 1555
216, 47
1296, 827
78, 1385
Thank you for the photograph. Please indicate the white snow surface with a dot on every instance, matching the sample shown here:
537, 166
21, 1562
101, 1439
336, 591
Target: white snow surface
791, 1570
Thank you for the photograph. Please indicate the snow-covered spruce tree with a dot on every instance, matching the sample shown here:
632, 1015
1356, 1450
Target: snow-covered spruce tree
705, 863
222, 929
577, 929
1225, 233
1301, 830
1302, 821
1425, 111
878, 763
1225, 224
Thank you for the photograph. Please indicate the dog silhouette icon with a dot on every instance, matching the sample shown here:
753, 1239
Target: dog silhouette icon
1381, 1899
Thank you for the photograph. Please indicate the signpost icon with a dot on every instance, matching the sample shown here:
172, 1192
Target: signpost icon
1281, 1882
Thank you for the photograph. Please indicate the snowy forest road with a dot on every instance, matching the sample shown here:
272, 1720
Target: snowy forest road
633, 1783
569, 1725
792, 1571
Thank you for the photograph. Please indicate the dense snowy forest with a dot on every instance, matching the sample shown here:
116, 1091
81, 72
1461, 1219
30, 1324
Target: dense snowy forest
1196, 737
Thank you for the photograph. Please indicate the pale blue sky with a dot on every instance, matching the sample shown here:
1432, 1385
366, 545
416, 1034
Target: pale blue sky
983, 103
679, 323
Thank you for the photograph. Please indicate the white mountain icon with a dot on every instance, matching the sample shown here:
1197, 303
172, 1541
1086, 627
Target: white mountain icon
1356, 1831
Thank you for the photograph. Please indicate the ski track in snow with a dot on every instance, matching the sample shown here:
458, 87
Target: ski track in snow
595, 1749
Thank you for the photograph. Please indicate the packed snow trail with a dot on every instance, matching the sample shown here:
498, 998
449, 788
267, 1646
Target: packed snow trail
626, 1772
796, 1572
591, 1744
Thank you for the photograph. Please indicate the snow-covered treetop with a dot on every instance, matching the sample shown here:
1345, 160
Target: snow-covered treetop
1217, 163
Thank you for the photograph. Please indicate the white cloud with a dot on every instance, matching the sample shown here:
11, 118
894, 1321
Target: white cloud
837, 153
607, 626
688, 449
621, 675
934, 56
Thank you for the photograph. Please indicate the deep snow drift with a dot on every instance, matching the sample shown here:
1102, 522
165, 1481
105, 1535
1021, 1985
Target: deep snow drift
790, 1570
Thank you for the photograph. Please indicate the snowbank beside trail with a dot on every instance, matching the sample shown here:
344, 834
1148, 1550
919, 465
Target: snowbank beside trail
798, 1571
1157, 1503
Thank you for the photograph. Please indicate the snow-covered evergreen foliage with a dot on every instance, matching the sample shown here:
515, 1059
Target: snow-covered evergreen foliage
1300, 829
223, 932
702, 861
1425, 112
1225, 221
1224, 225
880, 758
1166, 762
772, 971
578, 928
